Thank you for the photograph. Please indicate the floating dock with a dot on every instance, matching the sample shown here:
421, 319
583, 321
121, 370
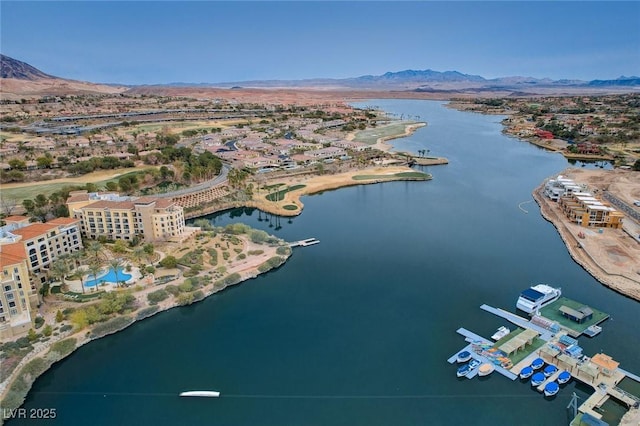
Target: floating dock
304, 243
471, 337
602, 375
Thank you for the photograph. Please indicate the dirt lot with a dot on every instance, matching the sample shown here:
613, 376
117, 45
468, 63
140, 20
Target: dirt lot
610, 255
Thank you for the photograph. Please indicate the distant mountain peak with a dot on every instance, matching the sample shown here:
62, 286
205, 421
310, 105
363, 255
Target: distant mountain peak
13, 68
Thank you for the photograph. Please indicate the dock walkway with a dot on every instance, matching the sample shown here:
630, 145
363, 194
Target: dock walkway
472, 337
519, 321
304, 243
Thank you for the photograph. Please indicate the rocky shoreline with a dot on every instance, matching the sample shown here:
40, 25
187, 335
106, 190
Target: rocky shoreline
13, 396
582, 257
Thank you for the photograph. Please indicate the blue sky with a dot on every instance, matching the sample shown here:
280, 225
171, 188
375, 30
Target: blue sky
161, 42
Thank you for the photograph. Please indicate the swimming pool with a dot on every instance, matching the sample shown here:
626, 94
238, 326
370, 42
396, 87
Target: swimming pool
109, 277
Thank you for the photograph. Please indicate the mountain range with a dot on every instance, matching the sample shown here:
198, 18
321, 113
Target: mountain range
22, 79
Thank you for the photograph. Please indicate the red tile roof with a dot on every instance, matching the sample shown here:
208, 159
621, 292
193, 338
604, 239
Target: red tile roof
10, 254
34, 230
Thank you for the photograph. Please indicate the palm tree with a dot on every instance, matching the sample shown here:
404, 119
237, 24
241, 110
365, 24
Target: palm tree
95, 248
79, 274
116, 264
59, 270
94, 268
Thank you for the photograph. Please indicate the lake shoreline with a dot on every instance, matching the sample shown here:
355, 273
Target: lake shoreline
84, 336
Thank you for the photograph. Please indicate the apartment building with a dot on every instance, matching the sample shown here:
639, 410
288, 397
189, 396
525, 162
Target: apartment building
17, 298
588, 211
117, 217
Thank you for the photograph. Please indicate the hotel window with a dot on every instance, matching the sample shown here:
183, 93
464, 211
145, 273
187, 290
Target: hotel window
12, 304
13, 311
7, 288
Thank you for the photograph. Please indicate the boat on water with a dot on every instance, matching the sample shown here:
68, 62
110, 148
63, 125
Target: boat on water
549, 370
551, 389
537, 297
537, 379
537, 363
205, 394
463, 356
467, 368
485, 369
526, 373
564, 377
500, 333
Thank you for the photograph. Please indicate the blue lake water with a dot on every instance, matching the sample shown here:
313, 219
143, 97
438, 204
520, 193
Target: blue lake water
356, 330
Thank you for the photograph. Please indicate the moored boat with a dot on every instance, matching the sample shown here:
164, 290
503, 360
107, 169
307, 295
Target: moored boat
463, 356
500, 333
205, 394
549, 370
537, 297
564, 377
537, 363
537, 379
468, 368
526, 372
551, 389
485, 369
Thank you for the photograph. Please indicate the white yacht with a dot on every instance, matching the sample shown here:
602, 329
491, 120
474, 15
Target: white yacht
536, 297
205, 394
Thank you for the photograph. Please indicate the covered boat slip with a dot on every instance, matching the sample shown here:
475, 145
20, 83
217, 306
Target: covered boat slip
554, 312
518, 342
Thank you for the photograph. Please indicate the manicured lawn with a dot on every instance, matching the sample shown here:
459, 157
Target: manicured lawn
370, 136
290, 207
279, 196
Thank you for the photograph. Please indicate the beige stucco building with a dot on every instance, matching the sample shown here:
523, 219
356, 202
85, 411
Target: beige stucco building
125, 218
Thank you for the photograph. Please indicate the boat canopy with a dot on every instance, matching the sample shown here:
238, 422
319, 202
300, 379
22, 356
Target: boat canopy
551, 387
538, 377
532, 295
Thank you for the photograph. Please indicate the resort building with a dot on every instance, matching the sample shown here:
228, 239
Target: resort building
125, 218
17, 296
588, 211
43, 243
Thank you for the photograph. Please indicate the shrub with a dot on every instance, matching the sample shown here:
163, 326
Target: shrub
283, 250
225, 255
241, 256
64, 347
59, 316
66, 328
39, 322
272, 263
185, 299
198, 295
157, 296
47, 330
237, 250
231, 279
172, 289
150, 269
146, 312
169, 262
255, 252
111, 326
213, 256
236, 228
185, 287
258, 236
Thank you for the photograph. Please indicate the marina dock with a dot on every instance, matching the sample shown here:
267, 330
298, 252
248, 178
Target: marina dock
600, 372
304, 243
471, 337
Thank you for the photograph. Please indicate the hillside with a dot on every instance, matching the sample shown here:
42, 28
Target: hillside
19, 80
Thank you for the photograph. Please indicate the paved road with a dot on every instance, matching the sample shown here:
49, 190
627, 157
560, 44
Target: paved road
221, 178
